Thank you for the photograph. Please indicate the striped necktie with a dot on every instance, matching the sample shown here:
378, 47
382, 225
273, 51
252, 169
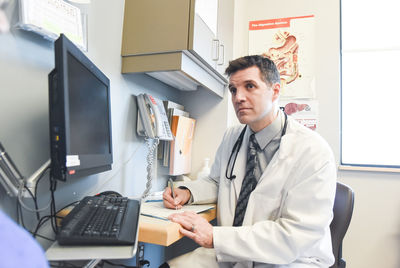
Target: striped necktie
249, 182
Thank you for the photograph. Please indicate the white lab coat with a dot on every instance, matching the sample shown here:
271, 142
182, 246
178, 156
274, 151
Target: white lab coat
288, 214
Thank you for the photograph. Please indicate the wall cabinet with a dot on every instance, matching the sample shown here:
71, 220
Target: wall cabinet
174, 41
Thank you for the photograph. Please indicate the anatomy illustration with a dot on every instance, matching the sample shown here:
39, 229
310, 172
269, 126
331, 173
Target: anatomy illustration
292, 108
285, 56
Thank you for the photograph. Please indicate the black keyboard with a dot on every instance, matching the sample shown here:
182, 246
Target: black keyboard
101, 220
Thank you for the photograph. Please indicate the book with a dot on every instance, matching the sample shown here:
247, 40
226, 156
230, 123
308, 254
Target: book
170, 104
171, 108
181, 147
167, 144
157, 209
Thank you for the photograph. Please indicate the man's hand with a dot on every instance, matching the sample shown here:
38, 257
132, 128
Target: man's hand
195, 227
182, 196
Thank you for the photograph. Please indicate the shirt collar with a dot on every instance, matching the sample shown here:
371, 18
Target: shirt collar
267, 134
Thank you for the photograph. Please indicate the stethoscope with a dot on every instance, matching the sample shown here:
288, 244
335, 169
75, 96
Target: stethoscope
236, 149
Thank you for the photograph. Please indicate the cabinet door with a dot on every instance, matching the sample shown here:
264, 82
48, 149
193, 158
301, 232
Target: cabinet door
154, 26
225, 33
207, 10
205, 42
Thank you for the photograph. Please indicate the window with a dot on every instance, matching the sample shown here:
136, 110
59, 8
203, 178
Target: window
370, 83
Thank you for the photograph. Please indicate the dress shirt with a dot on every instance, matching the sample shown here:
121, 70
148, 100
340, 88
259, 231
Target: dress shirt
268, 139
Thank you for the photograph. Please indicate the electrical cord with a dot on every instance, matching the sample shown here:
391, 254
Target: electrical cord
44, 237
34, 202
22, 186
40, 224
53, 213
44, 219
150, 160
20, 196
40, 177
20, 217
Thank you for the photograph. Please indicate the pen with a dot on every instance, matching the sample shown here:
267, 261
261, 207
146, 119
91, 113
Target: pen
171, 184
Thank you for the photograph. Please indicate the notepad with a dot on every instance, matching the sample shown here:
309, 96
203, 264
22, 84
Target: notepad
157, 209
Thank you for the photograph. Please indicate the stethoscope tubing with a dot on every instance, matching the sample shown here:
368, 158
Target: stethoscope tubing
236, 149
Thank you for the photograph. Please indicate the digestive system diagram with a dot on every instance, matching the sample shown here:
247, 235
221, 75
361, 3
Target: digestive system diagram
285, 56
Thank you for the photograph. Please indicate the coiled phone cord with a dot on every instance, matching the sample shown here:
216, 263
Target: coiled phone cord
150, 160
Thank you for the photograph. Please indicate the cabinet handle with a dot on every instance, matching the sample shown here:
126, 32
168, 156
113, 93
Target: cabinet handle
223, 54
215, 55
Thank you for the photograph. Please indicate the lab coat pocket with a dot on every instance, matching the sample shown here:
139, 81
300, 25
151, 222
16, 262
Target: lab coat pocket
264, 207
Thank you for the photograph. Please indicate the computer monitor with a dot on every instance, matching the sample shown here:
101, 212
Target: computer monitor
80, 119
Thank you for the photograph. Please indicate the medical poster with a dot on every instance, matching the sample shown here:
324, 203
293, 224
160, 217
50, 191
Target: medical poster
303, 111
290, 43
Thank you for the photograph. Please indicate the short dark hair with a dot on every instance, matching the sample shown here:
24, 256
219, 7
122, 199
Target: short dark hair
269, 72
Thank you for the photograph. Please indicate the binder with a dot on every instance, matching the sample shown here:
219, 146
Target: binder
182, 128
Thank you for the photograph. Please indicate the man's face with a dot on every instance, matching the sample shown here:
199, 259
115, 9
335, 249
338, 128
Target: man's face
252, 98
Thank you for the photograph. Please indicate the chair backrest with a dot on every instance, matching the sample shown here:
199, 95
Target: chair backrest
342, 212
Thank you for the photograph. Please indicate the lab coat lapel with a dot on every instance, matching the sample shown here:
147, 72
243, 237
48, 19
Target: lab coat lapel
283, 154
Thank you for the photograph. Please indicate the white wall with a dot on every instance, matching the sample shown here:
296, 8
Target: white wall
373, 239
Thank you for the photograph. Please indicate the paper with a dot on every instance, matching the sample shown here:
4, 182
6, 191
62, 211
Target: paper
157, 209
52, 17
73, 161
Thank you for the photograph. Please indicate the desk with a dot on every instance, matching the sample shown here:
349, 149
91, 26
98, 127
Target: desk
151, 230
164, 233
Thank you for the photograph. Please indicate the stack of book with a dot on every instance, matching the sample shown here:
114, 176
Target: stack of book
177, 153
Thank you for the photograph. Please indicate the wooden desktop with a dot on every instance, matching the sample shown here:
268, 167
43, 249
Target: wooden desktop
162, 232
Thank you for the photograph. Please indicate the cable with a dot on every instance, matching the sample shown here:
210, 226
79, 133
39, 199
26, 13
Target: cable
40, 223
20, 190
34, 202
44, 219
53, 213
43, 237
20, 217
150, 160
37, 182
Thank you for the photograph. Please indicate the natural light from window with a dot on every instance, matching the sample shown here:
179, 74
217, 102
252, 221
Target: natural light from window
370, 83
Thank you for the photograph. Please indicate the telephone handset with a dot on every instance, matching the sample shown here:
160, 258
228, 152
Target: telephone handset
153, 124
152, 119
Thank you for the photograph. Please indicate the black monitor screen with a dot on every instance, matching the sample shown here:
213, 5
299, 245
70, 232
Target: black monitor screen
80, 114
88, 111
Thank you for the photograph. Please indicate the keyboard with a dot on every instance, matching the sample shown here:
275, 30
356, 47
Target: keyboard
101, 220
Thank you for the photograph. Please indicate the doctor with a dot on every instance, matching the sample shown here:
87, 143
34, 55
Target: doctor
273, 180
